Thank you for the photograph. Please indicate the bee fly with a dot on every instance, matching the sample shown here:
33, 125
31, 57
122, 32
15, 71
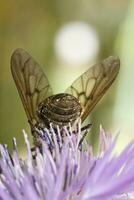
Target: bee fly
42, 107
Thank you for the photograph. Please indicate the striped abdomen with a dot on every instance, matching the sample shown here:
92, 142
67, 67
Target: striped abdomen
59, 109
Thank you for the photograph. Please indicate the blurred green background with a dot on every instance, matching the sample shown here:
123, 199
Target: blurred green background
47, 30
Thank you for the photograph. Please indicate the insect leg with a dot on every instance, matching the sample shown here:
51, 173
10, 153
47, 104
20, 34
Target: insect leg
84, 131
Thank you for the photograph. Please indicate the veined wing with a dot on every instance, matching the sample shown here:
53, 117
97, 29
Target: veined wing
92, 85
31, 82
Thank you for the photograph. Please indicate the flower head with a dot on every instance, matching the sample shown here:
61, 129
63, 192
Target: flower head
67, 173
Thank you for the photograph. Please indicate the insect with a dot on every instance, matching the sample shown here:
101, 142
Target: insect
42, 107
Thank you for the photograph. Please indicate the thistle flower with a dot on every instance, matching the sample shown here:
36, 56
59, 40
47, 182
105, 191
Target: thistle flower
67, 173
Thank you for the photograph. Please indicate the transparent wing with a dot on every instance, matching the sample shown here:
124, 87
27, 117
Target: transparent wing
92, 85
32, 84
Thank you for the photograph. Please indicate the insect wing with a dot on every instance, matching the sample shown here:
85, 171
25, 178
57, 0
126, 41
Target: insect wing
32, 84
92, 85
